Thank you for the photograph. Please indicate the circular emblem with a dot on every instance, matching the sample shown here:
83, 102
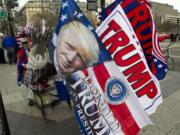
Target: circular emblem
116, 91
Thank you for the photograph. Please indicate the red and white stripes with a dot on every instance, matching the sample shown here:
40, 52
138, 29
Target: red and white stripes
130, 113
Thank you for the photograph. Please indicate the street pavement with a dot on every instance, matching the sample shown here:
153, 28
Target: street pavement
166, 119
174, 51
27, 120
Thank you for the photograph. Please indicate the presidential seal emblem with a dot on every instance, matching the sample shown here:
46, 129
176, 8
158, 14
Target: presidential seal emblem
116, 91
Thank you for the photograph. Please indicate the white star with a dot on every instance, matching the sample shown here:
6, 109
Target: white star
160, 66
64, 4
166, 70
79, 15
155, 60
63, 17
90, 27
75, 13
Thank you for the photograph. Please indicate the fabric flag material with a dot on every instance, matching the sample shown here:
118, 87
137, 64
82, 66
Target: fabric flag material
105, 104
22, 60
71, 13
100, 111
119, 38
69, 60
63, 94
139, 14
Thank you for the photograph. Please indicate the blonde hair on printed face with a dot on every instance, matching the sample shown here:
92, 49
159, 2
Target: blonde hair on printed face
82, 39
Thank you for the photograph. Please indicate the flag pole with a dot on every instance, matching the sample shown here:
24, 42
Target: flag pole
102, 4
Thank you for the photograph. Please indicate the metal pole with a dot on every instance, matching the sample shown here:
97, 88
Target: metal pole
10, 20
1, 3
42, 16
102, 4
42, 8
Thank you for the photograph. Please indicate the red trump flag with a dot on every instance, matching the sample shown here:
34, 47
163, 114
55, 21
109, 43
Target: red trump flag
139, 14
120, 39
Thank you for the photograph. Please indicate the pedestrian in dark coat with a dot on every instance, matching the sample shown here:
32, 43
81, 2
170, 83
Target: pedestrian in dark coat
9, 43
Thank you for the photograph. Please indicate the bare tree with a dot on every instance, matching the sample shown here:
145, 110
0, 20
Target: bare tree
50, 21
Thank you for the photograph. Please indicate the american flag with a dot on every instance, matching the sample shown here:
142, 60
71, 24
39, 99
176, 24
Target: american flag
153, 53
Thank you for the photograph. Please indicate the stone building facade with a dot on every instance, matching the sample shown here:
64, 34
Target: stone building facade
33, 7
164, 13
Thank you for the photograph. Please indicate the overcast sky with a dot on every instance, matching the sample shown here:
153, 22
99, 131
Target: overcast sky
175, 3
22, 2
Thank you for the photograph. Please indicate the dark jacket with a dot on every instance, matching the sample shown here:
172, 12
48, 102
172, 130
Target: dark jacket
9, 41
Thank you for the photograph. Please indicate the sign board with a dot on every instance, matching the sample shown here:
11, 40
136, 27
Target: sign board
3, 13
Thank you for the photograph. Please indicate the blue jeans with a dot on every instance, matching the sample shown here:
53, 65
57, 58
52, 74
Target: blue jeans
11, 54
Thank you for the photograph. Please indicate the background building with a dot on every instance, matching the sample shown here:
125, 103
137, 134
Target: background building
35, 10
34, 7
165, 16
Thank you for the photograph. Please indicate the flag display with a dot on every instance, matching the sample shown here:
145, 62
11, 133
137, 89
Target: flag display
119, 38
62, 92
74, 45
105, 103
139, 14
75, 41
103, 99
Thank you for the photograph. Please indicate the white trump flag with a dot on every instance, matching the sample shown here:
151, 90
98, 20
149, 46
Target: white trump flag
119, 38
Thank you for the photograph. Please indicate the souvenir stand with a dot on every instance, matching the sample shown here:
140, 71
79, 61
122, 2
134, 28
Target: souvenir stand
39, 76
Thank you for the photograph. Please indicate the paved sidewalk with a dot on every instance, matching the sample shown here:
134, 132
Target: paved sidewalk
21, 124
15, 98
167, 117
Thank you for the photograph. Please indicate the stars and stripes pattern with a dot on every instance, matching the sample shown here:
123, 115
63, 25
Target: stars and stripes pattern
156, 60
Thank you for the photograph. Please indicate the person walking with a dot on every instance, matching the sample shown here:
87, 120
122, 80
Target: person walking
9, 43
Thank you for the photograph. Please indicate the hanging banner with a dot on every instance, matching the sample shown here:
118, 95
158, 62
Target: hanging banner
119, 38
105, 103
140, 16
75, 41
